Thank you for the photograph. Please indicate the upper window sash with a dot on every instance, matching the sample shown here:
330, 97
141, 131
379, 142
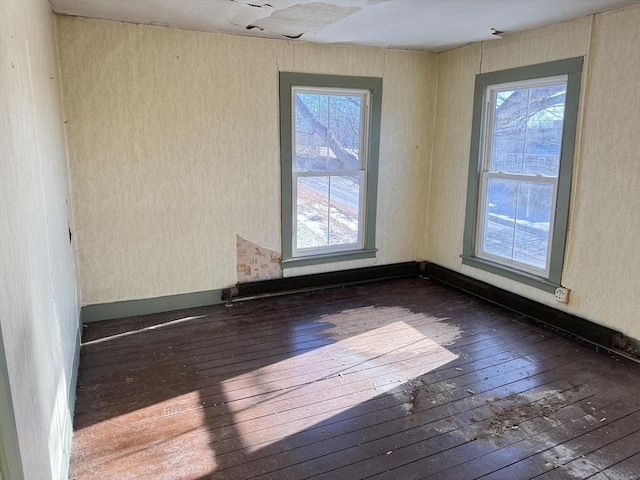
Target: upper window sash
490, 107
364, 133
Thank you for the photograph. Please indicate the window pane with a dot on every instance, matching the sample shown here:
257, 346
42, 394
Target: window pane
527, 130
517, 220
327, 132
344, 211
499, 215
312, 206
328, 211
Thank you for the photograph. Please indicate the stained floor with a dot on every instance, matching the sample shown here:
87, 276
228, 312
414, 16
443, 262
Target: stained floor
401, 379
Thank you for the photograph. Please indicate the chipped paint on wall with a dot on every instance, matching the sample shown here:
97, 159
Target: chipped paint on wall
256, 263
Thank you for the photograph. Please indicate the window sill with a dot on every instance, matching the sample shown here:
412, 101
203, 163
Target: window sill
328, 258
511, 273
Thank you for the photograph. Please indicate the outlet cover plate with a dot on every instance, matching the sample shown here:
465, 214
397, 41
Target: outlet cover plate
562, 295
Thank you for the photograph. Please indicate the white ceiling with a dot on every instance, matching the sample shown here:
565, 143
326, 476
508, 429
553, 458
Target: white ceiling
434, 25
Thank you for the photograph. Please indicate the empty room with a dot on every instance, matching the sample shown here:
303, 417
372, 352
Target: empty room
386, 239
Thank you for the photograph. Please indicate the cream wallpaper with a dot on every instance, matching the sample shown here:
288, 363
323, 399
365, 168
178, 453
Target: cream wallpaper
602, 267
40, 304
174, 150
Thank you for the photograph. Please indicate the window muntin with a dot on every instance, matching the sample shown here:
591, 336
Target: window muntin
330, 129
519, 178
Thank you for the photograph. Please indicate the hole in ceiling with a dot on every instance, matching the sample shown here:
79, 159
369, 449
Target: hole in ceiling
255, 5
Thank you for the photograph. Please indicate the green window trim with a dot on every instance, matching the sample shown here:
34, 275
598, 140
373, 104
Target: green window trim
571, 67
288, 80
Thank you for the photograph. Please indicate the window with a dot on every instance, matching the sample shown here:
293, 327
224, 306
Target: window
518, 193
329, 135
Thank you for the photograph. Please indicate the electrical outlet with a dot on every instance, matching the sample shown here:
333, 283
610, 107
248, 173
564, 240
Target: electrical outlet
562, 295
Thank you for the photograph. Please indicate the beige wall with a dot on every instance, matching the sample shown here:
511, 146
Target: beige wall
602, 266
174, 149
39, 306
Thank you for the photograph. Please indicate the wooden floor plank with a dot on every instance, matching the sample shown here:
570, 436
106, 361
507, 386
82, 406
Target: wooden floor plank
573, 457
396, 379
605, 457
436, 382
409, 448
386, 430
627, 469
567, 434
538, 457
298, 365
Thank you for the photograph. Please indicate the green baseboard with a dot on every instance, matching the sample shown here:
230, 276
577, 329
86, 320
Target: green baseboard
73, 384
146, 306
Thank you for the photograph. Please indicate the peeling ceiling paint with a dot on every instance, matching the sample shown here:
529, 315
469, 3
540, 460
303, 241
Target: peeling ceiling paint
434, 25
294, 21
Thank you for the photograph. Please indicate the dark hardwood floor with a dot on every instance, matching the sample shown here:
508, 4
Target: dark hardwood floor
401, 379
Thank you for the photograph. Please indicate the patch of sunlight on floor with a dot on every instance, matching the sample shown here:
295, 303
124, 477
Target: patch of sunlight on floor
312, 387
167, 434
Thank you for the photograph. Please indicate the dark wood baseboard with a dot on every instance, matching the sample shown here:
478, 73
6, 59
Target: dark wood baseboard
585, 329
577, 326
321, 280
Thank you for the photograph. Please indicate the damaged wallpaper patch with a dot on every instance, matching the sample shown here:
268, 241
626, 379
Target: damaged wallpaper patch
256, 263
